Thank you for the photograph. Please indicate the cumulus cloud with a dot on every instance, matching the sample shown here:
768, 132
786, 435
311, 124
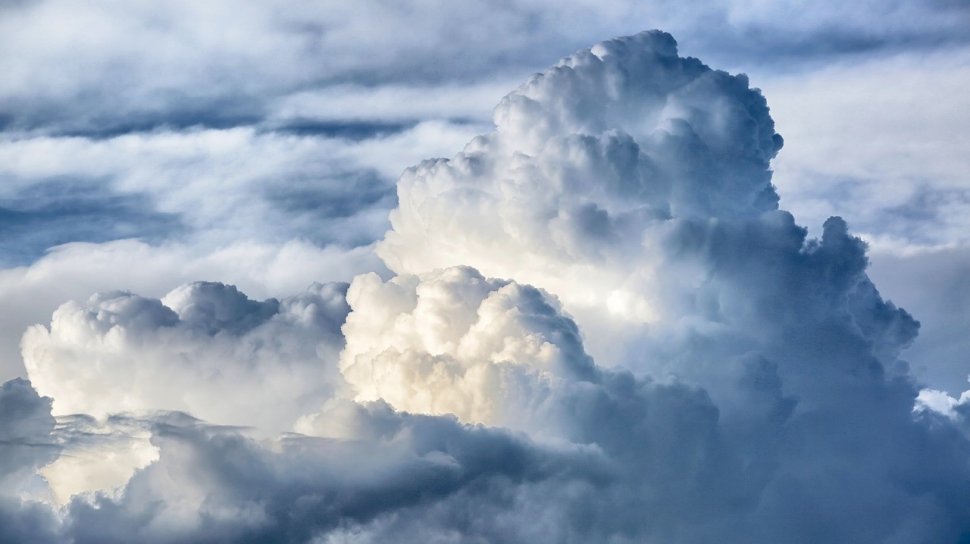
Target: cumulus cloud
600, 176
601, 328
642, 461
316, 197
267, 362
117, 359
74, 271
591, 165
773, 437
454, 342
899, 179
161, 113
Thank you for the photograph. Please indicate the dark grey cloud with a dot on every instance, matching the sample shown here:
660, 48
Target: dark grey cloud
158, 188
312, 486
348, 129
50, 212
324, 210
25, 434
158, 67
26, 444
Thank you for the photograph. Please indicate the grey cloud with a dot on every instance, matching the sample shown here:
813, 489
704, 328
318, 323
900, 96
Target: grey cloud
158, 67
310, 486
935, 285
157, 188
215, 307
25, 436
336, 211
26, 444
46, 213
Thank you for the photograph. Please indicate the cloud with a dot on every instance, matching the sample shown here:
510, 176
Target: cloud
217, 486
268, 362
97, 455
588, 163
25, 446
687, 272
601, 328
71, 95
147, 198
454, 342
74, 271
24, 436
110, 69
59, 211
611, 456
261, 179
899, 179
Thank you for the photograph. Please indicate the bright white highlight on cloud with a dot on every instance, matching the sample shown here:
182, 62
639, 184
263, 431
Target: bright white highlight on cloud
454, 342
102, 455
600, 327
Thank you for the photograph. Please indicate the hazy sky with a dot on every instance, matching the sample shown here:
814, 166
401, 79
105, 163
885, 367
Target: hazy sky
354, 272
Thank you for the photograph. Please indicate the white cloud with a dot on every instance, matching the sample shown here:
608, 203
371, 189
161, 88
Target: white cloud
74, 271
575, 189
454, 342
97, 455
266, 362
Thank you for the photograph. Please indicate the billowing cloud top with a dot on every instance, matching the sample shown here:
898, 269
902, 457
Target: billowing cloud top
591, 163
591, 152
601, 328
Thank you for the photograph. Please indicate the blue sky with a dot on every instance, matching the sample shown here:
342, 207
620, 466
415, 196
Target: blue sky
277, 147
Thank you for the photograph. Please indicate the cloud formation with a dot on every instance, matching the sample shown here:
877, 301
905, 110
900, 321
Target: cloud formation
592, 165
267, 362
599, 327
148, 198
162, 114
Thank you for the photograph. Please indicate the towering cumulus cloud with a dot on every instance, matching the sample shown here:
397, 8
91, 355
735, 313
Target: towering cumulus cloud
601, 328
592, 162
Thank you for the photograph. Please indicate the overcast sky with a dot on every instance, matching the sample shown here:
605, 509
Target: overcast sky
628, 226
